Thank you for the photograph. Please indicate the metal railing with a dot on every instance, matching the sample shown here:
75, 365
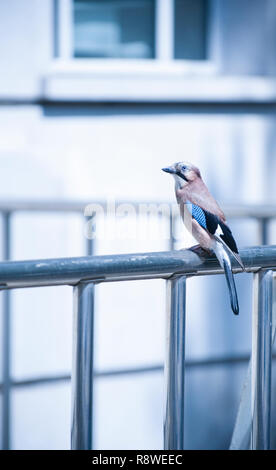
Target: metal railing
86, 272
174, 267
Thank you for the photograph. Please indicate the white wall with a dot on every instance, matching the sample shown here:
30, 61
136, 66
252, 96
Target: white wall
25, 46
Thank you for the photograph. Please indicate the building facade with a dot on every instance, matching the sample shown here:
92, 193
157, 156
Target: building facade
95, 98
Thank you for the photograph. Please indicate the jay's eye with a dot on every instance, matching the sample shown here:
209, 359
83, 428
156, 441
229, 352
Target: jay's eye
183, 168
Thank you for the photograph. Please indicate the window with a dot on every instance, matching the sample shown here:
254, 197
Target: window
114, 28
190, 29
138, 29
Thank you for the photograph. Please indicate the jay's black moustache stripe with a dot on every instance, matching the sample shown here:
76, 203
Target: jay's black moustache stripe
181, 176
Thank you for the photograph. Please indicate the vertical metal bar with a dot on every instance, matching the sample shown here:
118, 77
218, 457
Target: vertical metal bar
83, 359
175, 366
242, 431
263, 230
171, 231
90, 247
82, 370
261, 360
6, 342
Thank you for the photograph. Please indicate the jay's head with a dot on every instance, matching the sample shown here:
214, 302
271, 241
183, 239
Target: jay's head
183, 173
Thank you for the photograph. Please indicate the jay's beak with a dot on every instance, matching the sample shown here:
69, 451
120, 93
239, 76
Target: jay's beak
169, 169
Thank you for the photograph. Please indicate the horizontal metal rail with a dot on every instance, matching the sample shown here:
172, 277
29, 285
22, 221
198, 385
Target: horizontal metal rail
256, 211
71, 271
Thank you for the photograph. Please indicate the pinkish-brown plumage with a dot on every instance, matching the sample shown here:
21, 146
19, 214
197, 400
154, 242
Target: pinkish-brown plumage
197, 193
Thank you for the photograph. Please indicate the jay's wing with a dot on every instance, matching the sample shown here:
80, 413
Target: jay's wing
216, 227
199, 195
224, 243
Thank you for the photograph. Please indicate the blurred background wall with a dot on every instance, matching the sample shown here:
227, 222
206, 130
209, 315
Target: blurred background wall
95, 98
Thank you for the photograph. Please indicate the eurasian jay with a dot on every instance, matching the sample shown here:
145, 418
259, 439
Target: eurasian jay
203, 217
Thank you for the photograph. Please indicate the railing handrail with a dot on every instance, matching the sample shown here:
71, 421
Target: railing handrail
71, 271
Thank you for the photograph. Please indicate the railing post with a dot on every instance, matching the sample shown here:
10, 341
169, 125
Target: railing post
175, 366
264, 230
261, 360
6, 340
82, 370
171, 230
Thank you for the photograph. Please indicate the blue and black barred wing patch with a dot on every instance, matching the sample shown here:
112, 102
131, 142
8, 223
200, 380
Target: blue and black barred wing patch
198, 214
213, 224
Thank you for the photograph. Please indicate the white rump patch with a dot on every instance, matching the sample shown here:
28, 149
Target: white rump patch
219, 231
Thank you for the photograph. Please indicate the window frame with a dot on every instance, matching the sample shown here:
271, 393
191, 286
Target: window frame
162, 78
164, 39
